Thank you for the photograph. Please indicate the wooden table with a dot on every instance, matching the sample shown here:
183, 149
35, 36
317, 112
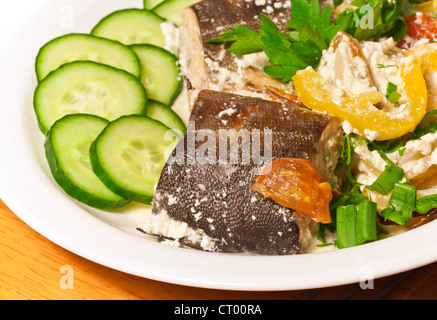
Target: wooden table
31, 269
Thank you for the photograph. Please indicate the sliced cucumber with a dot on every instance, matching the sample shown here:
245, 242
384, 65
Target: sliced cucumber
88, 87
74, 47
160, 73
171, 9
131, 26
150, 4
159, 111
67, 151
129, 156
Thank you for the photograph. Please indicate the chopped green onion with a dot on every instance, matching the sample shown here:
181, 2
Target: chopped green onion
346, 224
426, 204
421, 131
347, 198
386, 181
356, 224
366, 222
391, 93
387, 146
401, 204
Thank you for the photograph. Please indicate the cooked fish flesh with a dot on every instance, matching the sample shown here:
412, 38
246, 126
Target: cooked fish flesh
213, 66
207, 195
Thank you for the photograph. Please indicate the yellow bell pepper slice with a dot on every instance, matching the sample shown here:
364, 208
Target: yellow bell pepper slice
360, 110
429, 7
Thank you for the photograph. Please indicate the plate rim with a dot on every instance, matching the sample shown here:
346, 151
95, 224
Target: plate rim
380, 255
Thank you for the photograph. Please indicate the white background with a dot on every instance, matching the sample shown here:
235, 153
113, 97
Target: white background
11, 12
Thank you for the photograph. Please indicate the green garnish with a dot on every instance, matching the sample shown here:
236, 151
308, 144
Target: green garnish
401, 204
387, 146
421, 130
385, 183
392, 94
345, 161
246, 41
392, 174
356, 224
311, 32
381, 66
426, 204
353, 197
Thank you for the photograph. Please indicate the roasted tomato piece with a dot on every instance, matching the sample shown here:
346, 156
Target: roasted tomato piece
295, 184
421, 25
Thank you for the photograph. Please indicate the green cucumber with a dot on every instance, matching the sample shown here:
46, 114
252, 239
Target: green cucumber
150, 4
160, 73
88, 87
159, 111
75, 47
171, 9
131, 26
129, 155
67, 152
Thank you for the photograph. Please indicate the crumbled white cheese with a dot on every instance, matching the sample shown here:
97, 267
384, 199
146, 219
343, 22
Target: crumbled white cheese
229, 112
197, 216
256, 60
260, 2
385, 60
418, 158
162, 225
340, 65
171, 37
370, 134
347, 127
172, 200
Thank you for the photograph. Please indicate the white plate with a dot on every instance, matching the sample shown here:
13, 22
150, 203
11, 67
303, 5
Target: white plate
110, 239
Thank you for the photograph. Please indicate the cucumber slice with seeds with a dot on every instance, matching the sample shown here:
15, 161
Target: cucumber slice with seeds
75, 47
88, 87
67, 151
131, 26
171, 9
150, 4
160, 73
129, 155
158, 111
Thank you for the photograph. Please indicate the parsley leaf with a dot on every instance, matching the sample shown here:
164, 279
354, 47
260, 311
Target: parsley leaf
311, 31
378, 18
245, 40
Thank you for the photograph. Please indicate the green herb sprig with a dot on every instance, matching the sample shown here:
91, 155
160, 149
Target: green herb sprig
311, 31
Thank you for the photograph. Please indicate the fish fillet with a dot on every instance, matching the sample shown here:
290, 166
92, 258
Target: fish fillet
207, 193
213, 66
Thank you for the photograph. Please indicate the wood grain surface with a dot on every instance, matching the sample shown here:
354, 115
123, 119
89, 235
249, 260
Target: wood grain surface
33, 268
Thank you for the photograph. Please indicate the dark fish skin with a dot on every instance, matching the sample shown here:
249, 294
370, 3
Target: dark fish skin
211, 66
218, 198
216, 16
